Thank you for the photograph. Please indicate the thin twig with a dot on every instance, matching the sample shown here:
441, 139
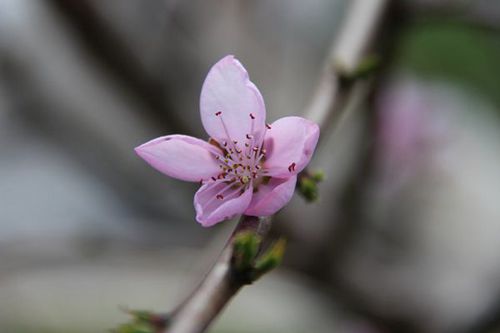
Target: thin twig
196, 313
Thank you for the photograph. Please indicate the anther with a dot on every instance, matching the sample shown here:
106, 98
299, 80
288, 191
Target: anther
218, 113
263, 151
214, 179
255, 149
249, 137
258, 167
268, 126
220, 196
252, 116
224, 143
291, 167
235, 142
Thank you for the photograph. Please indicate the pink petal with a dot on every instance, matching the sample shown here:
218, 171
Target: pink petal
228, 90
181, 156
271, 197
290, 144
211, 209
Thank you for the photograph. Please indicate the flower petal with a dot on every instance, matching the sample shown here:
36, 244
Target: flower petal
290, 144
228, 90
181, 156
271, 197
215, 202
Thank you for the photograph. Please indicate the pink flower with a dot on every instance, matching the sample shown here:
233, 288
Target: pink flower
247, 167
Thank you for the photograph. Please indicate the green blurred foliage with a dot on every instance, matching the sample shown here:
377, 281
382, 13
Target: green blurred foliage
444, 49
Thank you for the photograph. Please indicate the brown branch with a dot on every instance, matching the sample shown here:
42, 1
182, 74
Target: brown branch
196, 313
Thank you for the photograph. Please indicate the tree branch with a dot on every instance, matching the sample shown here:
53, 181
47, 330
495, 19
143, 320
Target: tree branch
196, 313
349, 50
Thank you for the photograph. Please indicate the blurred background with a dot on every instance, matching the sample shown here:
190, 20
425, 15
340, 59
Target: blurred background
404, 238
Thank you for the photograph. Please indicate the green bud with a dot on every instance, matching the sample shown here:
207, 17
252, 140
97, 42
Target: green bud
309, 189
318, 176
271, 258
307, 184
245, 248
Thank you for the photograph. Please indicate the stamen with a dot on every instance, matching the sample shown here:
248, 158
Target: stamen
218, 113
214, 179
268, 126
291, 167
220, 196
252, 116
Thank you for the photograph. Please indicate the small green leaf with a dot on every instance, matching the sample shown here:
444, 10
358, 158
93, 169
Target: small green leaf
271, 258
135, 327
143, 322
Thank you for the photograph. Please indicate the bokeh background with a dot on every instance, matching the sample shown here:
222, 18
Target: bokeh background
405, 236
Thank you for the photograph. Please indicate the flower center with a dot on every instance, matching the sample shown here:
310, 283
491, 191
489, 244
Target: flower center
241, 163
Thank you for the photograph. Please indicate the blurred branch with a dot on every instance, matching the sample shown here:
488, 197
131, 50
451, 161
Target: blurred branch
351, 48
106, 44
